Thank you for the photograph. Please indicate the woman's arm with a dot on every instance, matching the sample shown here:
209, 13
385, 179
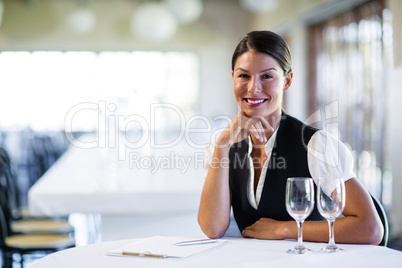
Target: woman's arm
360, 224
214, 210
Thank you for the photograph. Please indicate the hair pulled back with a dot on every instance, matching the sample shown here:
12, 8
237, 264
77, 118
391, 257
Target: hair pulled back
265, 42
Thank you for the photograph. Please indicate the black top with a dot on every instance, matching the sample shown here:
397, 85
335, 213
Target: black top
288, 159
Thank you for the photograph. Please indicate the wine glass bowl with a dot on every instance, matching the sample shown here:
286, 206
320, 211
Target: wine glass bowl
299, 205
331, 197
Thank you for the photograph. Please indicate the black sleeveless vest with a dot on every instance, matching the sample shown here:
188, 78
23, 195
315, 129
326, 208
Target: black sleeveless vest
288, 159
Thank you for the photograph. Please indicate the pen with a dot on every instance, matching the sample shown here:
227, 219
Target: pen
144, 254
196, 242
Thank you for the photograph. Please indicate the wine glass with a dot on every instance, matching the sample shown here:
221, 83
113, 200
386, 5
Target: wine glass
331, 196
299, 204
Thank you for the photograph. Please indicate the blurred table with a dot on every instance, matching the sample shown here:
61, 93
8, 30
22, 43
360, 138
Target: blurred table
238, 252
136, 197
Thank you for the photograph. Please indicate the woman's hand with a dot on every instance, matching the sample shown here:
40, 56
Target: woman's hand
243, 126
266, 228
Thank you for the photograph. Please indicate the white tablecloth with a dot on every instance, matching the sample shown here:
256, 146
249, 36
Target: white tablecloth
134, 197
238, 252
82, 180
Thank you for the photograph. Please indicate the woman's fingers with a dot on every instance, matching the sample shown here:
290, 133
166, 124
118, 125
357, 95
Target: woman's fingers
254, 130
262, 132
266, 125
258, 131
242, 126
257, 126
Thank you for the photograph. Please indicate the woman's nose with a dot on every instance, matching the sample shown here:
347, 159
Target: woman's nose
254, 86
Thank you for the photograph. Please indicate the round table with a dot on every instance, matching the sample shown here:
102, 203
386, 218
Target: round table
237, 252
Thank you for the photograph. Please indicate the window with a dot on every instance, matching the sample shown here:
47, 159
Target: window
351, 54
40, 88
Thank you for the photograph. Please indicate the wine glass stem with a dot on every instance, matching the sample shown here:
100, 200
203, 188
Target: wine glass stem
299, 233
331, 232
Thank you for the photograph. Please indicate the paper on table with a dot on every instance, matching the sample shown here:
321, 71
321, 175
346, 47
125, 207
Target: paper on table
164, 247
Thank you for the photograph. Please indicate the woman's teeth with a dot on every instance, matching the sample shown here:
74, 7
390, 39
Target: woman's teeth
254, 101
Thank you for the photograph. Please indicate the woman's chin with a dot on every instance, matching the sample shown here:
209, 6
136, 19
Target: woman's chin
254, 112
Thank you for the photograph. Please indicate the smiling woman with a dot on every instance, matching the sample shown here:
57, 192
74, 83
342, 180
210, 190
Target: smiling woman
259, 135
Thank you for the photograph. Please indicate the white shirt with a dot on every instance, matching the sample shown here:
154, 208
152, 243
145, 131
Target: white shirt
326, 156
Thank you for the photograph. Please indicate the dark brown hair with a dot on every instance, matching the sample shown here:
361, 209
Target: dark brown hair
265, 42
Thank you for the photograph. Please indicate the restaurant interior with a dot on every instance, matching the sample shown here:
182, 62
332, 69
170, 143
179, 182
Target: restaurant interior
107, 106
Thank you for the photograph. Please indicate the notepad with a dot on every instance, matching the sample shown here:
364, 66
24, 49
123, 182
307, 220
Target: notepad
164, 247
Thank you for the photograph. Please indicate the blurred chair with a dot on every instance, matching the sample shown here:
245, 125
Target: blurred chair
43, 152
13, 215
46, 148
23, 244
384, 219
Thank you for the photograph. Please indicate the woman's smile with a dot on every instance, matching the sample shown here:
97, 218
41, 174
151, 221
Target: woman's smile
255, 102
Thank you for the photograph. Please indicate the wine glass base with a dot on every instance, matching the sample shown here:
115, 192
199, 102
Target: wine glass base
331, 249
299, 250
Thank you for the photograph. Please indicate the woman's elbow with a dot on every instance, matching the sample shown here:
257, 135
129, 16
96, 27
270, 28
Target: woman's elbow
373, 234
214, 234
377, 233
212, 230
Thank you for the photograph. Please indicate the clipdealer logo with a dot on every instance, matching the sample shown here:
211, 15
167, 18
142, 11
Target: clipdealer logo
113, 134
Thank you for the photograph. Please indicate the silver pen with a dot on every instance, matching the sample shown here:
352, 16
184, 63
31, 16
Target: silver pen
196, 242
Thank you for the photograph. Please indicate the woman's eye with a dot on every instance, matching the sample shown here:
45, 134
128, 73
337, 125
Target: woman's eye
243, 76
266, 76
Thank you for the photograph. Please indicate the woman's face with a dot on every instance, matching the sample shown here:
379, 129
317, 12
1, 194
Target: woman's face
259, 83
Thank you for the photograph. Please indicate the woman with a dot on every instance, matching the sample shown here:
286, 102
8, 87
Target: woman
263, 146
